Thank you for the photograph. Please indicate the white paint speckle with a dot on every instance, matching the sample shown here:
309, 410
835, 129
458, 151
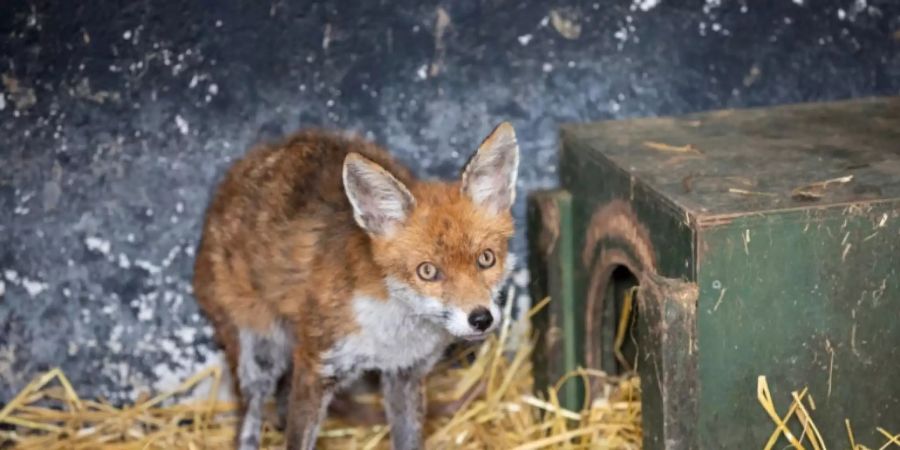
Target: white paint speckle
841, 14
182, 124
130, 237
145, 311
97, 244
194, 80
422, 72
547, 67
2, 101
213, 89
173, 253
126, 35
115, 339
11, 276
545, 21
798, 2
2, 288
33, 287
525, 39
646, 5
218, 23
123, 261
148, 266
520, 278
169, 346
186, 334
169, 376
179, 207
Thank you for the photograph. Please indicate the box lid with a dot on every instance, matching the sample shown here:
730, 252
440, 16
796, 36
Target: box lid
735, 162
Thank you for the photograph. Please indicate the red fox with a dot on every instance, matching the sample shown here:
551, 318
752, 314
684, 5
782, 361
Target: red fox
322, 257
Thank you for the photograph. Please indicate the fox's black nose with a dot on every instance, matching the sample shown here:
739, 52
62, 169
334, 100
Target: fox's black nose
480, 318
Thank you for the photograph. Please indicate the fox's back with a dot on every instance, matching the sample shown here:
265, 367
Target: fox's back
300, 175
278, 219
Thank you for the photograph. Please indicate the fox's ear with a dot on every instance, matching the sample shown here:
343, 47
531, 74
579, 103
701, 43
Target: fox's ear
380, 201
489, 178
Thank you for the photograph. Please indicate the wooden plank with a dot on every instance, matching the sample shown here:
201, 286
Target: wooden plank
667, 313
742, 161
551, 255
809, 299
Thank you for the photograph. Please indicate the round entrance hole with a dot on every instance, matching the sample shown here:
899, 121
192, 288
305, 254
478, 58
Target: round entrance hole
618, 323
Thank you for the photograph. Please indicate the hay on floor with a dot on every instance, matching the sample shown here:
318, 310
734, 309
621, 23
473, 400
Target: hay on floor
488, 402
485, 400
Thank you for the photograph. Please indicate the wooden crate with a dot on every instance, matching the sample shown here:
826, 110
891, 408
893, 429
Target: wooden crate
764, 242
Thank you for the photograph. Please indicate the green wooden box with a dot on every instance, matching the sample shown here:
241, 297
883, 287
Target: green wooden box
763, 241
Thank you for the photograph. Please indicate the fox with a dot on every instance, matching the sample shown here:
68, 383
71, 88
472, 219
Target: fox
322, 257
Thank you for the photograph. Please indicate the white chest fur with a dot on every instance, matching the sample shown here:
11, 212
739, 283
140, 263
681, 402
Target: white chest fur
389, 337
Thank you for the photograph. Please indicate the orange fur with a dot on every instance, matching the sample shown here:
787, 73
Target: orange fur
279, 242
280, 245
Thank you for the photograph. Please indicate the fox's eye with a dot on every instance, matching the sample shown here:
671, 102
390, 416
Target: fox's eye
486, 259
427, 271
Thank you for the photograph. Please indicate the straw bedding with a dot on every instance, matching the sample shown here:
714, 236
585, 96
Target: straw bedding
482, 398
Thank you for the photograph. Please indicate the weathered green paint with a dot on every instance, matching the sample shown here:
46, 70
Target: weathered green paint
807, 298
550, 263
803, 291
666, 323
600, 184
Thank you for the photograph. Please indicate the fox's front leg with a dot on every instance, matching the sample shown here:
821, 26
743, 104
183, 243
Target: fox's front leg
404, 404
307, 404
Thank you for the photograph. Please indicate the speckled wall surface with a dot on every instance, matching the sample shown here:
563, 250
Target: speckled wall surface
116, 119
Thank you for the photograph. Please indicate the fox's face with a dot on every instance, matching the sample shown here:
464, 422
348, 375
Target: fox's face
443, 246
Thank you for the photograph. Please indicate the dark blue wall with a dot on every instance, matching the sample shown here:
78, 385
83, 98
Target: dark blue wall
117, 118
